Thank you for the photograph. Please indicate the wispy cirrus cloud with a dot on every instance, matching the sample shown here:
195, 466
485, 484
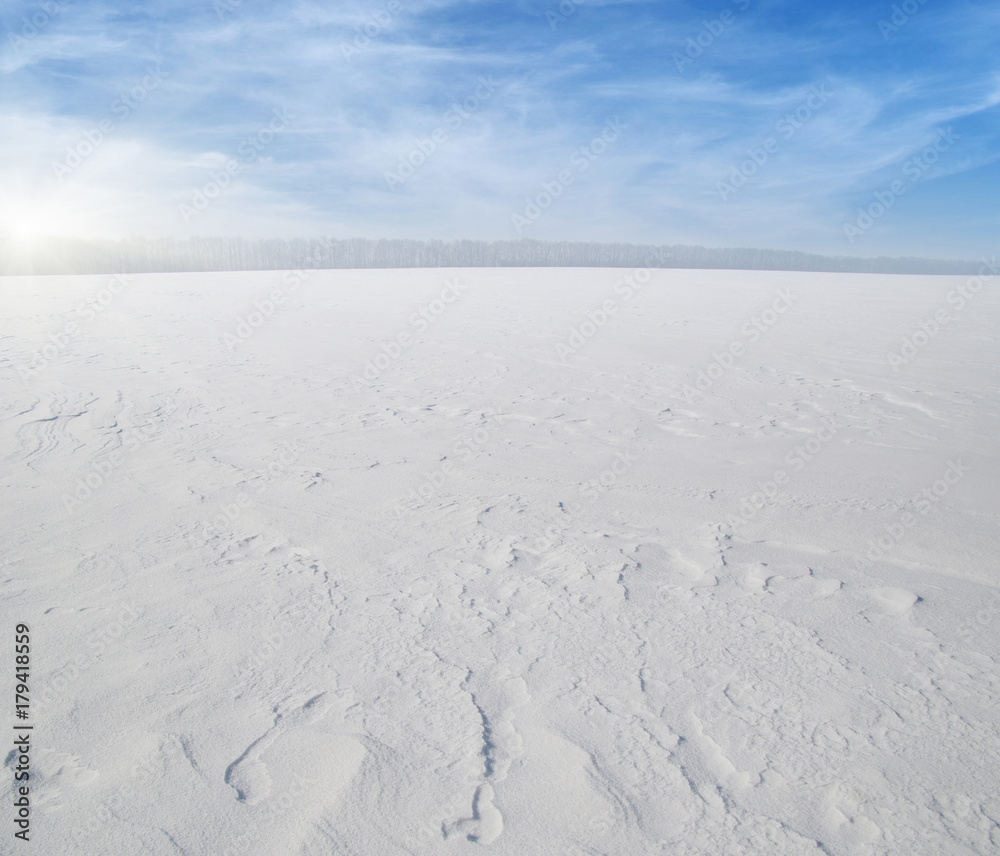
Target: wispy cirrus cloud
364, 82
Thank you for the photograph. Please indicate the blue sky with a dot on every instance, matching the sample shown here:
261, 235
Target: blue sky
286, 119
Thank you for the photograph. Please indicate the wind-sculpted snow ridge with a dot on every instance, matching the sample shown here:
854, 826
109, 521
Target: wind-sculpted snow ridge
697, 563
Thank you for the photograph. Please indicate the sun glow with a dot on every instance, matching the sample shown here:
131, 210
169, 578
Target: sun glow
28, 222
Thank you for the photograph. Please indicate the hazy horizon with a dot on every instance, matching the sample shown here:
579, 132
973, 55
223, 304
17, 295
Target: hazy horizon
139, 255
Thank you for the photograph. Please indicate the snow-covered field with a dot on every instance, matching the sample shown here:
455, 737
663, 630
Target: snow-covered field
563, 565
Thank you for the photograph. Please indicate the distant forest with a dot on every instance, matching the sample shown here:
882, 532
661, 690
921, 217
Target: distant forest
142, 255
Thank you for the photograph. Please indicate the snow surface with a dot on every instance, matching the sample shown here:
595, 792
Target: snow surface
501, 593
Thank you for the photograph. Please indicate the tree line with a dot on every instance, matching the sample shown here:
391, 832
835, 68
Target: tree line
161, 255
